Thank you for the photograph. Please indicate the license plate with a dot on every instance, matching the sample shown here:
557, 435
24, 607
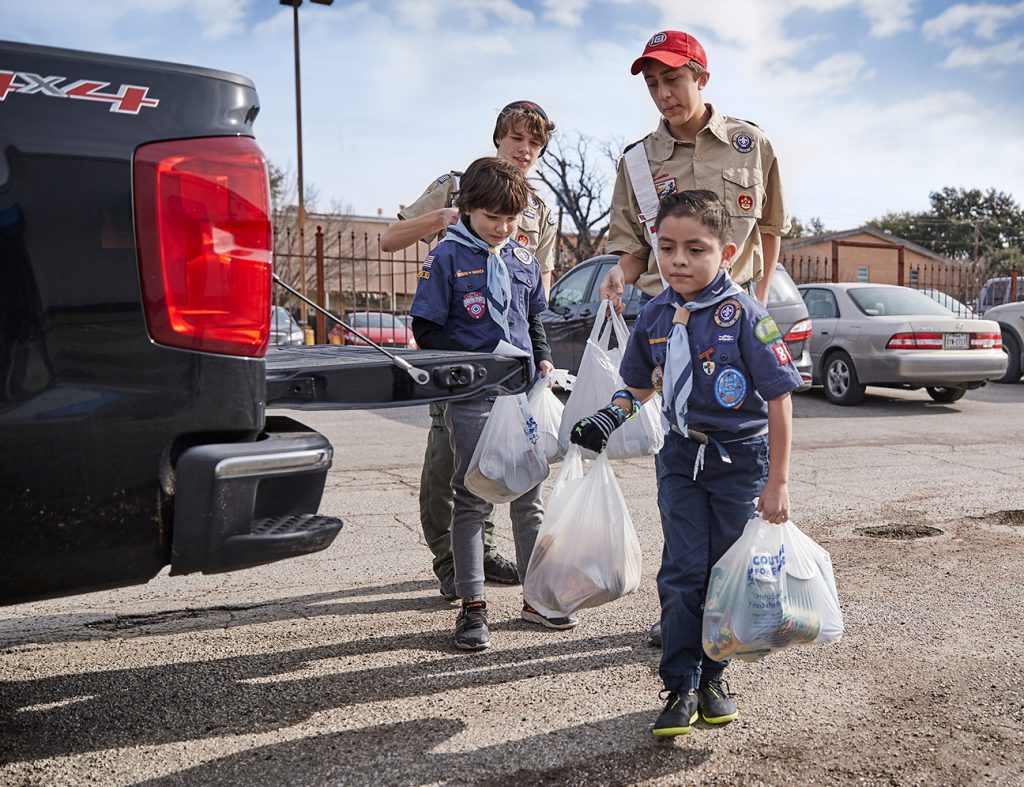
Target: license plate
957, 341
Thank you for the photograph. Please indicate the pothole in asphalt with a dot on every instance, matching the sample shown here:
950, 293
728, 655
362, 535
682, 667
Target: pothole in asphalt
900, 532
1010, 518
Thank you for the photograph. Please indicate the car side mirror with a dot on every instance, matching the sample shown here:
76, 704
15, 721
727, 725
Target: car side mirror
561, 311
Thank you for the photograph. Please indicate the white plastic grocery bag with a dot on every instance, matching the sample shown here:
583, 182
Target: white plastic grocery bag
774, 588
597, 380
508, 460
547, 411
587, 552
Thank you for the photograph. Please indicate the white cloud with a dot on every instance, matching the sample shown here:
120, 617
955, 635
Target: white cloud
888, 17
1001, 54
568, 13
985, 20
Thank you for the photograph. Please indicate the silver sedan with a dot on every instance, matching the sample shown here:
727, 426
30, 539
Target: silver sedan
884, 335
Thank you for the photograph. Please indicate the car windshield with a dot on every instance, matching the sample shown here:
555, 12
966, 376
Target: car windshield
280, 319
783, 290
375, 320
883, 301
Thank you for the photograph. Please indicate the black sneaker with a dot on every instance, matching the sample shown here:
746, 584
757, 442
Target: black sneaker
471, 626
716, 706
500, 569
448, 588
654, 635
561, 624
679, 715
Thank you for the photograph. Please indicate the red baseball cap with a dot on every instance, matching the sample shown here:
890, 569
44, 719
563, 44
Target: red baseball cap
673, 48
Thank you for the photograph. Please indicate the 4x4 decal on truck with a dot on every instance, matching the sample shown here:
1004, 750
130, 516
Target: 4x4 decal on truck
129, 99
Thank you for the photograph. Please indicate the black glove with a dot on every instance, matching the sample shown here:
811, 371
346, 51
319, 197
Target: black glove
592, 433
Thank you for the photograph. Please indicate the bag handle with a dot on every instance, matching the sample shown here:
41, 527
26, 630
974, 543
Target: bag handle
616, 325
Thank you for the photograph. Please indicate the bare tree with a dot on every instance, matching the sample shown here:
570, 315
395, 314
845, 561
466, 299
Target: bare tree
579, 180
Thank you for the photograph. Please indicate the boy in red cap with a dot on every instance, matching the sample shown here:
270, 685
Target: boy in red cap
521, 134
693, 147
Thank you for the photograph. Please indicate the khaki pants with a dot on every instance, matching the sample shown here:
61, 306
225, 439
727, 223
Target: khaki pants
436, 497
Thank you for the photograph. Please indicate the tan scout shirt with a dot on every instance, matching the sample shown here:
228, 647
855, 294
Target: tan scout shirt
730, 157
536, 229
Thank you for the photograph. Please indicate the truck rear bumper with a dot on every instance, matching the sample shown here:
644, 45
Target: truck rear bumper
244, 504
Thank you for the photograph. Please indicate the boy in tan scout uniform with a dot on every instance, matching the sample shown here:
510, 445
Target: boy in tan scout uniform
521, 133
695, 147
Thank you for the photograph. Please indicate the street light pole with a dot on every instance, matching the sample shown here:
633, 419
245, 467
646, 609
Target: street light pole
298, 144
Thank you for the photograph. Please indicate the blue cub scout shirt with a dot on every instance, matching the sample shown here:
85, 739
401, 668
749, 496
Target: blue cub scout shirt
740, 360
452, 291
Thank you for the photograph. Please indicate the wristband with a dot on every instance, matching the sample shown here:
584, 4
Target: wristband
633, 401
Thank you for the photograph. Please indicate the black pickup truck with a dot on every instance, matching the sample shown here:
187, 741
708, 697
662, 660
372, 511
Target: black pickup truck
135, 295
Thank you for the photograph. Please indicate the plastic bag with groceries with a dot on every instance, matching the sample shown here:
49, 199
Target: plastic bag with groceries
587, 552
508, 460
774, 588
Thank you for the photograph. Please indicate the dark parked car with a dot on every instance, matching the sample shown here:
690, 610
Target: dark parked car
574, 302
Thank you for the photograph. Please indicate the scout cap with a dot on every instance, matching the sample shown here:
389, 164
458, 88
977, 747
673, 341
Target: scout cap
673, 48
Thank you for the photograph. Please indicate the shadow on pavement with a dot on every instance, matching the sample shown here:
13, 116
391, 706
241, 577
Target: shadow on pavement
93, 711
612, 751
876, 403
82, 627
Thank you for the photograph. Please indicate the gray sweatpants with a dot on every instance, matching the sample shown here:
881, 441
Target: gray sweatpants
465, 421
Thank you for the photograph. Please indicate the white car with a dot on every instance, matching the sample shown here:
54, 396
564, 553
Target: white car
1010, 317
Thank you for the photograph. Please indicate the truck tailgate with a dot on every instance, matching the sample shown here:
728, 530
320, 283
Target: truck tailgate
341, 377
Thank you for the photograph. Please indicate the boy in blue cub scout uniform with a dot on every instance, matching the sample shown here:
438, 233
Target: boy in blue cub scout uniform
726, 375
477, 288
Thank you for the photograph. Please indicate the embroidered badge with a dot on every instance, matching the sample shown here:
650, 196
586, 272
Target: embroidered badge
709, 367
707, 354
766, 330
523, 238
523, 255
743, 142
664, 185
429, 261
657, 38
730, 388
662, 340
727, 313
725, 338
460, 274
782, 353
475, 304
657, 378
440, 181
551, 220
423, 275
443, 178
533, 201
529, 214
745, 202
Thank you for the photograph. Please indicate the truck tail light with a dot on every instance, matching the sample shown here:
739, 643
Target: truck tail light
202, 218
915, 341
986, 341
801, 331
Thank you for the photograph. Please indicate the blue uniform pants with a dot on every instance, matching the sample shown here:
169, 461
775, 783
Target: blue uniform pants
700, 520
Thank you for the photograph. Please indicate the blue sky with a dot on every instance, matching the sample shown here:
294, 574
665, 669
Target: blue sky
870, 104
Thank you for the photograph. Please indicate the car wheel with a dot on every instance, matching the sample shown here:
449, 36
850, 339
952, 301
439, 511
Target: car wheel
842, 386
1012, 350
946, 394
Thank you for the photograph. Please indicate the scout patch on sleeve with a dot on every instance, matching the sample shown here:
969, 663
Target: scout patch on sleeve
529, 214
523, 239
727, 313
657, 378
551, 220
743, 142
427, 262
475, 304
533, 201
523, 255
745, 202
782, 353
766, 330
423, 275
730, 388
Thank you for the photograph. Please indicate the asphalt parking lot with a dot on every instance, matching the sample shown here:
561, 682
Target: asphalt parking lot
337, 668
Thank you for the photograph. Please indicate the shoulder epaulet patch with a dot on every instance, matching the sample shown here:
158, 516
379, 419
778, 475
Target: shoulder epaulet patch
743, 120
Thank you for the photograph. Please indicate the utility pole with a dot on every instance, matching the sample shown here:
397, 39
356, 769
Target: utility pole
301, 215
